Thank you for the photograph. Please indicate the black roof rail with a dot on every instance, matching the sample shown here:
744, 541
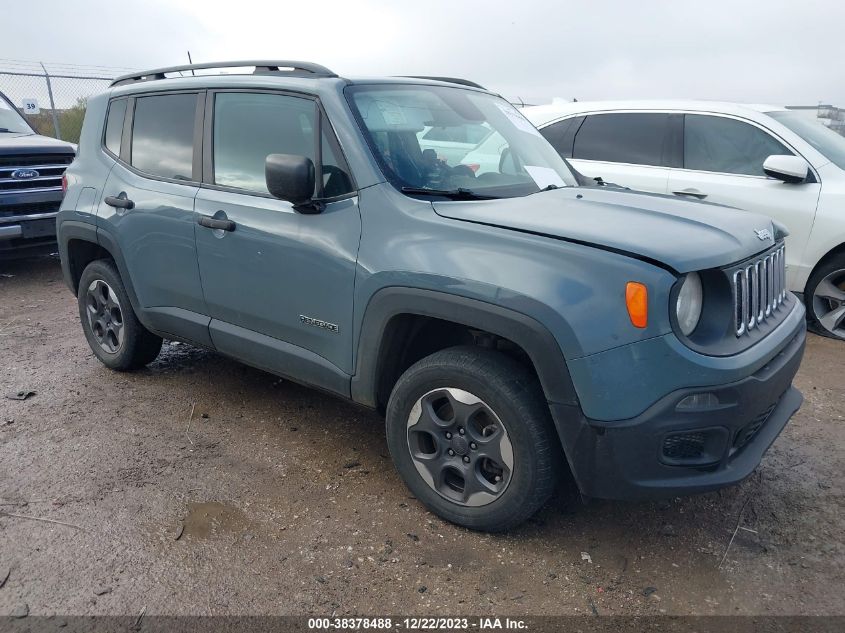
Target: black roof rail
306, 69
451, 80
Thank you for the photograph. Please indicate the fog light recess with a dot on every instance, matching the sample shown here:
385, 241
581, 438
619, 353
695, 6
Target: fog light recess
694, 448
696, 401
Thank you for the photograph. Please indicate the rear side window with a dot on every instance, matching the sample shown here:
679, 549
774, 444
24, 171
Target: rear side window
562, 134
633, 138
727, 146
163, 135
114, 126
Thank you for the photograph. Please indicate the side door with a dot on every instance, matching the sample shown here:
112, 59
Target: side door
631, 149
279, 285
146, 215
723, 163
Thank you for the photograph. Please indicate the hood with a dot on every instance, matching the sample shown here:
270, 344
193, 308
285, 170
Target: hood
680, 234
33, 144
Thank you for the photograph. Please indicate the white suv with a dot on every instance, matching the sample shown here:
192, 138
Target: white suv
764, 159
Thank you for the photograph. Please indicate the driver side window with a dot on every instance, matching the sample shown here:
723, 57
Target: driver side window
250, 126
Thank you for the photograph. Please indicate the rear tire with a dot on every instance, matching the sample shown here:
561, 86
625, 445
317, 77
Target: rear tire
824, 297
471, 435
113, 331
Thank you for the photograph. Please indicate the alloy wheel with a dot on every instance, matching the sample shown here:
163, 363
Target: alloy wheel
105, 316
460, 447
829, 303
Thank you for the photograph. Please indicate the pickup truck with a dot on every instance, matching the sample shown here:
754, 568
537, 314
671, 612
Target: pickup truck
31, 170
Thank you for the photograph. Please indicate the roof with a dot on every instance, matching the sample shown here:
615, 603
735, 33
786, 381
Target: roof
559, 108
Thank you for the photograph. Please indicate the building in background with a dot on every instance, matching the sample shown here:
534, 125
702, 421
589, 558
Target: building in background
829, 115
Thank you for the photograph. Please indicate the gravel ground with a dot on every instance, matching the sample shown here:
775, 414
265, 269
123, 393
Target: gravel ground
276, 499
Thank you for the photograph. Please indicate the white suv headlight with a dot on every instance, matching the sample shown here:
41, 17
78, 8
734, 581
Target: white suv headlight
689, 303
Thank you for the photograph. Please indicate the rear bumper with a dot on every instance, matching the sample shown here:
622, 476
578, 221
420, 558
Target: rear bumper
666, 451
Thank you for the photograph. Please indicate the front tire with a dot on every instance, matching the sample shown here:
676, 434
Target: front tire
824, 296
113, 331
471, 435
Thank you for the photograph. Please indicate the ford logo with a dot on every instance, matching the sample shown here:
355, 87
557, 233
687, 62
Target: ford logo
25, 174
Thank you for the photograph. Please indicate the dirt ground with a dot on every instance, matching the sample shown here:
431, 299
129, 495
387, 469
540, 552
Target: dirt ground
276, 499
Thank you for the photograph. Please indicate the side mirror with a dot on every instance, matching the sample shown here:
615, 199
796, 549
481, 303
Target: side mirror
791, 169
290, 177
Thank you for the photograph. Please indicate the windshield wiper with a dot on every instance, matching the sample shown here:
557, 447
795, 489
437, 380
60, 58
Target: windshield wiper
6, 130
453, 194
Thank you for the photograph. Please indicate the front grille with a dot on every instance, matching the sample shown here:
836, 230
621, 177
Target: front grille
31, 160
747, 433
31, 208
48, 167
759, 290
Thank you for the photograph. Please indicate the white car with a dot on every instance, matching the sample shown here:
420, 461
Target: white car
486, 157
765, 159
452, 143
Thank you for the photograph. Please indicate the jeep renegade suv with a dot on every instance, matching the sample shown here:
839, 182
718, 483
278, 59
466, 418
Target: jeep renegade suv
510, 324
31, 168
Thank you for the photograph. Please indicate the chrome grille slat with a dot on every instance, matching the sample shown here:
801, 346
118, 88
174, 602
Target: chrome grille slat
753, 296
739, 302
36, 179
35, 167
776, 298
765, 289
759, 290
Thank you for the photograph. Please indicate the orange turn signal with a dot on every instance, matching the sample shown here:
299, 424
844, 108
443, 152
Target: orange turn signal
636, 298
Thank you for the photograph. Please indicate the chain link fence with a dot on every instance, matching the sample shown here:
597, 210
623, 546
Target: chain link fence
53, 98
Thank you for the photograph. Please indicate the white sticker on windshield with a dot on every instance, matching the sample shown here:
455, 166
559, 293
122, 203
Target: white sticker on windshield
391, 113
544, 176
516, 118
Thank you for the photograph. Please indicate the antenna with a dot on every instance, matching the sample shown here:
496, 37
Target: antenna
191, 62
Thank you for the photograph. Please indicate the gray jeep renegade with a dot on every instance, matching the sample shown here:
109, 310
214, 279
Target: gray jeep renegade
510, 320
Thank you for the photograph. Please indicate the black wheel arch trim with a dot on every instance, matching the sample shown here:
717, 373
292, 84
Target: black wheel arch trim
66, 232
525, 331
69, 230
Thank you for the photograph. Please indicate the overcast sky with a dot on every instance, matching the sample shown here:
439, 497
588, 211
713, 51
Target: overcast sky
772, 51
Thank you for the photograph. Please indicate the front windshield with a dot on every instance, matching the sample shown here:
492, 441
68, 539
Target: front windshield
825, 140
448, 139
10, 120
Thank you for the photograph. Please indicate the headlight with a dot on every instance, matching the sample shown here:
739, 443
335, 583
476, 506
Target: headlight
688, 306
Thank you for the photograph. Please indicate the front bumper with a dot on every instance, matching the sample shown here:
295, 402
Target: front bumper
28, 229
665, 451
28, 238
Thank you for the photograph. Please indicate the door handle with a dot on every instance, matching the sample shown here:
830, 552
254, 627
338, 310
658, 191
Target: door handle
213, 223
121, 201
692, 193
